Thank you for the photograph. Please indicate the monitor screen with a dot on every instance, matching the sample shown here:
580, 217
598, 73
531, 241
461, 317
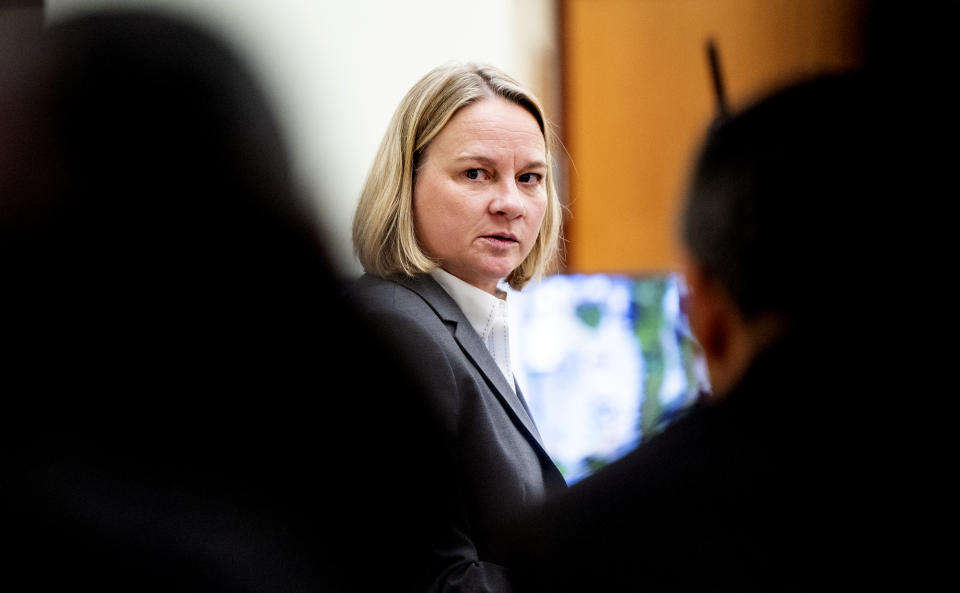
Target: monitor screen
603, 361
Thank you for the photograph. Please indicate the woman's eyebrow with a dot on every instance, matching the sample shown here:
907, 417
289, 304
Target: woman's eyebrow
489, 161
476, 158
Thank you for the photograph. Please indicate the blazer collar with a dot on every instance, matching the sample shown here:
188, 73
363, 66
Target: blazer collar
447, 309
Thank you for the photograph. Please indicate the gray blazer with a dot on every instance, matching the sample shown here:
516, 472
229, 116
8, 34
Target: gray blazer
500, 464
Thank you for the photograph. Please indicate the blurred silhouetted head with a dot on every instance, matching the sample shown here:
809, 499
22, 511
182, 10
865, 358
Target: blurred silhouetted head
789, 207
148, 174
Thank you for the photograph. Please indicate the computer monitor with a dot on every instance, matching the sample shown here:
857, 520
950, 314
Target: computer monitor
604, 361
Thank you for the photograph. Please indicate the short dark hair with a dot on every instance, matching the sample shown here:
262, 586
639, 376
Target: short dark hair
784, 196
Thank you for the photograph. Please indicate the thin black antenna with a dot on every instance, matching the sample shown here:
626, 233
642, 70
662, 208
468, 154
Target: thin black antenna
719, 93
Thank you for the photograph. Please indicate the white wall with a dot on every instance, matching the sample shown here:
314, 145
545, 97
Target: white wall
336, 70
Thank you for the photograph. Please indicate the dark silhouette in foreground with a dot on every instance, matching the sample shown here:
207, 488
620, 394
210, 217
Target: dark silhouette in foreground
790, 475
188, 403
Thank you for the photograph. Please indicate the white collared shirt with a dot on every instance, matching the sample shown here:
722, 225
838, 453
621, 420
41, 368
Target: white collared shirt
487, 315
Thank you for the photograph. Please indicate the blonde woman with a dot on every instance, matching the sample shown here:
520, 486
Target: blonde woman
460, 198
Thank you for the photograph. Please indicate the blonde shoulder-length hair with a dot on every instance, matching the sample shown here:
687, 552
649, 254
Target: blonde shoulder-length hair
384, 238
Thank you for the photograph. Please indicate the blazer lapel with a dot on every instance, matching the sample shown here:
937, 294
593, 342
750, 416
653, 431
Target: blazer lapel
478, 353
470, 342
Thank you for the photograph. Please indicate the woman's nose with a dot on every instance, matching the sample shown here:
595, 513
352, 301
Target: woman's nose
507, 201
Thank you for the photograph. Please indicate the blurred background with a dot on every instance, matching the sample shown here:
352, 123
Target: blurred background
627, 84
337, 69
602, 347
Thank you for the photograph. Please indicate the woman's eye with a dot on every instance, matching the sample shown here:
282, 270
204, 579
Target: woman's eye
530, 178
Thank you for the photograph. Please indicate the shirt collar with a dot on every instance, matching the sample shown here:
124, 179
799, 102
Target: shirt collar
478, 305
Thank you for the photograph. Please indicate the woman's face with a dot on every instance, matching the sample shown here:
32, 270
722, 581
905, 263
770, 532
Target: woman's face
479, 195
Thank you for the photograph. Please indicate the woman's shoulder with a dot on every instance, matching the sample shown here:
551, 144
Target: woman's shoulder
392, 305
421, 340
404, 297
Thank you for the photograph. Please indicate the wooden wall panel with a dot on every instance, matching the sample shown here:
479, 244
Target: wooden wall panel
638, 95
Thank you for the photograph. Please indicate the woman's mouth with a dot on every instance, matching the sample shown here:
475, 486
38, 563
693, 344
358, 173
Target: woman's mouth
501, 239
